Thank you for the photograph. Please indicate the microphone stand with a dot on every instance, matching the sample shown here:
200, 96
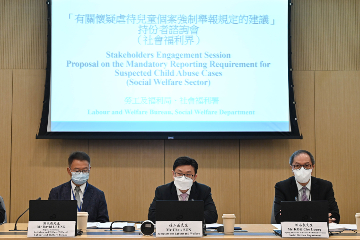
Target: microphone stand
15, 228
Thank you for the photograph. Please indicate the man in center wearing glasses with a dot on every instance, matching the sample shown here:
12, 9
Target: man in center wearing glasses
303, 187
185, 188
89, 198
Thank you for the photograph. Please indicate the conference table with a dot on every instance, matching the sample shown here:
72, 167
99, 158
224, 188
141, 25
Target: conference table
254, 232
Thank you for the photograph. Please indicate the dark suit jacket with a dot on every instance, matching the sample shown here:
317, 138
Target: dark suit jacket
2, 214
198, 192
93, 202
320, 190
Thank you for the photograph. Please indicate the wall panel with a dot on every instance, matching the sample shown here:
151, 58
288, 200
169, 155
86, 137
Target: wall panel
303, 53
337, 137
218, 168
23, 33
356, 35
37, 165
128, 172
5, 136
265, 162
325, 35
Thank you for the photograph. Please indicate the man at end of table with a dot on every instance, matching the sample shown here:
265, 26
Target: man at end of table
2, 214
303, 187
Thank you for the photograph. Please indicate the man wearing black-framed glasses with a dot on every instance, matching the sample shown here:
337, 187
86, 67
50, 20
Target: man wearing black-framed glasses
303, 187
89, 198
185, 188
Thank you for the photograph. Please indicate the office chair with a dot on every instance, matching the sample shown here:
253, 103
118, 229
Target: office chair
3, 205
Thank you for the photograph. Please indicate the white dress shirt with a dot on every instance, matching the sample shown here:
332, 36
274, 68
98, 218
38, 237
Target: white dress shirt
308, 188
179, 193
81, 192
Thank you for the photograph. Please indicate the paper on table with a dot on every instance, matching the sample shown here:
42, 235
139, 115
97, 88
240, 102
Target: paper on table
349, 226
213, 225
278, 226
92, 224
115, 225
341, 227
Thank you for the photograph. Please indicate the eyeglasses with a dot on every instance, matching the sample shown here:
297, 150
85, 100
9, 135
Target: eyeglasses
298, 166
80, 171
182, 174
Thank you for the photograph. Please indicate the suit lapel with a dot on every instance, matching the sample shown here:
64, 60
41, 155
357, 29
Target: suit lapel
314, 189
193, 192
66, 193
87, 196
173, 192
293, 190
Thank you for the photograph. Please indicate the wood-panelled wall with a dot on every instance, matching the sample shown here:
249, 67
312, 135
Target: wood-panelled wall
242, 174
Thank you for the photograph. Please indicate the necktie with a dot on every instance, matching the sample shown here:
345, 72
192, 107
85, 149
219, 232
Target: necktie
183, 196
303, 195
77, 196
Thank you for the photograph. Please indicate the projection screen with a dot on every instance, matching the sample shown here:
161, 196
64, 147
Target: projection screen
169, 69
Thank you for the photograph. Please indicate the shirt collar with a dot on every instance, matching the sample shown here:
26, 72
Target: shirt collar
179, 192
82, 187
299, 186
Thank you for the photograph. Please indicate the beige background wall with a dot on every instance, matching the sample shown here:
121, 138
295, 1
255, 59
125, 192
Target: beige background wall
242, 174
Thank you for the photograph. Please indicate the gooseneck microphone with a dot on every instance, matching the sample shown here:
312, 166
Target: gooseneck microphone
15, 228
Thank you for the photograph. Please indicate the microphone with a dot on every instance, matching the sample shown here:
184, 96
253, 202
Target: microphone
15, 228
111, 225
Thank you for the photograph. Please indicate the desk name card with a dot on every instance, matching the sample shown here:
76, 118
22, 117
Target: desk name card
51, 229
179, 229
305, 229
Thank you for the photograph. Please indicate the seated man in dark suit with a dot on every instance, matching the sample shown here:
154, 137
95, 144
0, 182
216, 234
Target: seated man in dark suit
184, 188
89, 198
303, 187
2, 215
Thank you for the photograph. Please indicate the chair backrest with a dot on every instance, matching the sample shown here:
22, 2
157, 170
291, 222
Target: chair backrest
273, 221
3, 205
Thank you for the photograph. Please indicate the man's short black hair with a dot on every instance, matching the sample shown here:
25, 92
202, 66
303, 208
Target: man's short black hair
78, 156
181, 161
298, 152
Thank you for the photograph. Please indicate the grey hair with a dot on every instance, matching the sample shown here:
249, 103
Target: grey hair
298, 152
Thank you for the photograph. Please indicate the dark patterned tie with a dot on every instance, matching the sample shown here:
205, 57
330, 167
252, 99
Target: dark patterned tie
304, 196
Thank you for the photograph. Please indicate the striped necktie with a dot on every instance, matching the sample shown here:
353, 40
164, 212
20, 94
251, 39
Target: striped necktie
304, 196
183, 196
77, 196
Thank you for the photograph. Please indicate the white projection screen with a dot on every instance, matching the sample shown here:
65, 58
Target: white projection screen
169, 69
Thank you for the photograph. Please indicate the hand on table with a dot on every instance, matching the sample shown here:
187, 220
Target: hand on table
331, 220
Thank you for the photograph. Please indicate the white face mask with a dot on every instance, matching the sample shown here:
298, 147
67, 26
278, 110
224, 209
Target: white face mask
183, 183
302, 175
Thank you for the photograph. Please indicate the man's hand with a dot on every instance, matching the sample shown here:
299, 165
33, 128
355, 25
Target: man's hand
331, 220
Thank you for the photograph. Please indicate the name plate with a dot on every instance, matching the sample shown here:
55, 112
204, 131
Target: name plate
305, 229
51, 229
179, 229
